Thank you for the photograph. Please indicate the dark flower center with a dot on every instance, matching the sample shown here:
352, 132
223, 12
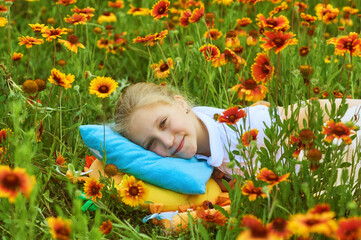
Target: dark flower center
258, 231
133, 191
62, 231
250, 84
257, 191
232, 118
253, 33
105, 42
106, 14
278, 41
209, 218
311, 222
279, 224
95, 189
339, 131
73, 39
11, 181
164, 67
348, 45
103, 89
272, 177
58, 79
272, 22
161, 10
231, 34
54, 32
265, 68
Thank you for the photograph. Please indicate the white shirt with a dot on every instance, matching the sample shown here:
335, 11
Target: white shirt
220, 135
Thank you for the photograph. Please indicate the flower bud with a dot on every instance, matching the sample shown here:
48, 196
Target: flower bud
231, 164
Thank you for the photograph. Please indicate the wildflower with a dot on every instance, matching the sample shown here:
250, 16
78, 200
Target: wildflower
231, 115
210, 52
37, 27
320, 208
77, 18
251, 191
88, 11
249, 136
162, 69
326, 13
106, 227
72, 43
184, 19
60, 160
3, 22
277, 41
97, 30
270, 177
210, 19
61, 79
250, 91
314, 155
151, 39
30, 41
303, 51
65, 2
278, 228
228, 56
243, 22
59, 228
51, 21
349, 228
338, 130
347, 44
306, 70
308, 18
252, 37
211, 216
255, 229
17, 56
132, 192
62, 62
197, 14
93, 188
30, 87
280, 23
117, 4
4, 133
306, 224
3, 8
138, 11
107, 17
232, 39
262, 70
279, 8
89, 160
160, 9
104, 43
15, 181
52, 33
102, 86
110, 170
301, 6
213, 34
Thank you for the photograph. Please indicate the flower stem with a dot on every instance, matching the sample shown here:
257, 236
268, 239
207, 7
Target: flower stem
54, 54
8, 29
227, 94
27, 71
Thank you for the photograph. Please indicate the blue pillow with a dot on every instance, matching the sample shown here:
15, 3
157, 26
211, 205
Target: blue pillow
188, 176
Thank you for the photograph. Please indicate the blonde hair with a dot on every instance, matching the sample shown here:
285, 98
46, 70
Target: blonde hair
139, 95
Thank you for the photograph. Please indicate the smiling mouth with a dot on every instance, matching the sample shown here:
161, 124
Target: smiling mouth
180, 146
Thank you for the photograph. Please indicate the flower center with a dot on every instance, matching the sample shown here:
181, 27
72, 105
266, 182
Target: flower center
250, 84
348, 45
279, 224
278, 41
54, 32
103, 89
209, 218
272, 22
232, 118
62, 231
94, 190
73, 39
272, 177
164, 67
257, 191
311, 222
259, 231
106, 14
339, 131
11, 181
133, 191
161, 10
231, 34
265, 68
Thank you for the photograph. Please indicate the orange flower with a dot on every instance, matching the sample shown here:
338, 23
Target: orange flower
270, 177
4, 133
60, 160
279, 8
107, 17
59, 228
17, 56
280, 23
138, 11
106, 227
197, 14
249, 136
252, 192
347, 44
231, 115
262, 70
151, 39
255, 229
162, 69
37, 27
184, 19
93, 188
210, 52
213, 34
72, 43
278, 228
160, 9
3, 8
232, 39
77, 18
89, 160
277, 41
338, 130
326, 13
66, 2
52, 33
88, 11
117, 4
349, 228
228, 56
211, 216
243, 22
132, 192
15, 181
301, 6
60, 79
308, 18
30, 41
250, 91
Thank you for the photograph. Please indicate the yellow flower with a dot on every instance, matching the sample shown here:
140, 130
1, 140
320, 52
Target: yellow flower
59, 228
107, 17
60, 79
72, 43
37, 27
102, 86
3, 21
162, 69
92, 189
30, 41
132, 192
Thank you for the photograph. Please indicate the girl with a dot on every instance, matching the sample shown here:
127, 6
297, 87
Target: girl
162, 121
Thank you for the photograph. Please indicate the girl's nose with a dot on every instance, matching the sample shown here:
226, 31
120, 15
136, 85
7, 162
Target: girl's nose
167, 139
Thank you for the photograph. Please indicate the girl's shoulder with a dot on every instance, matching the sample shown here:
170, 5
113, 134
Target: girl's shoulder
209, 111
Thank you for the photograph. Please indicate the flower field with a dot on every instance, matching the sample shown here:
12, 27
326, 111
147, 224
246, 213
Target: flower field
64, 63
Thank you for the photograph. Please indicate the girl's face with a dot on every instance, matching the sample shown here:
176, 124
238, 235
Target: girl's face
166, 129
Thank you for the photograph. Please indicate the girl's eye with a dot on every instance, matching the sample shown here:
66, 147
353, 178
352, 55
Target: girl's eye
162, 123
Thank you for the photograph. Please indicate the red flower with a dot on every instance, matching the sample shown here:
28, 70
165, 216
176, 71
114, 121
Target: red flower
228, 56
270, 177
347, 44
250, 91
197, 14
252, 192
244, 22
338, 130
280, 23
277, 41
232, 115
184, 19
308, 18
160, 9
255, 229
89, 160
278, 229
210, 52
249, 136
106, 227
87, 11
262, 70
211, 216
213, 34
349, 229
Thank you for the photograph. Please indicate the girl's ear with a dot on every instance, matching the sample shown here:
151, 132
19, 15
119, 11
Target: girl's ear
180, 100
